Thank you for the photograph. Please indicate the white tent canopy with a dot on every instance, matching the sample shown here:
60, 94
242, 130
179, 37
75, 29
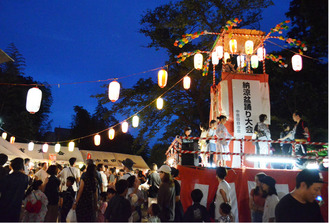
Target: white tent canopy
11, 150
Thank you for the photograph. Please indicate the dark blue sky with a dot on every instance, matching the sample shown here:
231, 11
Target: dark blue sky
74, 41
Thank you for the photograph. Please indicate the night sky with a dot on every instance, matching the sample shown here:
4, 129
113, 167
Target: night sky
75, 41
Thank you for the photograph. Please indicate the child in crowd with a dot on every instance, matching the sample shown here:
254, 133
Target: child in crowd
196, 212
154, 211
110, 193
225, 212
212, 142
67, 198
102, 205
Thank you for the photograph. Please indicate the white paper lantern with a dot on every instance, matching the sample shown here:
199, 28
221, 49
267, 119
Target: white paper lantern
233, 45
4, 135
187, 82
214, 58
57, 148
241, 61
249, 47
30, 146
159, 103
162, 78
198, 61
297, 62
261, 53
111, 133
33, 100
12, 139
254, 61
114, 91
45, 148
97, 140
71, 146
226, 56
124, 126
135, 121
220, 52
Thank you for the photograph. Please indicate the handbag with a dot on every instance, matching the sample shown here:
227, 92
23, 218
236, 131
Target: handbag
33, 208
71, 216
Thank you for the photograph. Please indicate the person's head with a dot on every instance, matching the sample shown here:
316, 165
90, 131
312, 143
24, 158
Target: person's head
154, 167
44, 166
131, 181
121, 172
17, 164
91, 171
100, 167
36, 184
154, 210
228, 60
128, 164
187, 131
286, 127
83, 168
121, 187
196, 195
165, 174
52, 170
103, 196
70, 181
296, 116
3, 159
222, 119
262, 118
258, 177
59, 166
110, 193
72, 161
221, 172
309, 183
174, 172
212, 123
225, 209
203, 127
90, 161
268, 185
27, 161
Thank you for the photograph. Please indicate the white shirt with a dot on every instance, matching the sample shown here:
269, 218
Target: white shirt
104, 181
212, 133
41, 175
127, 175
269, 207
69, 172
219, 198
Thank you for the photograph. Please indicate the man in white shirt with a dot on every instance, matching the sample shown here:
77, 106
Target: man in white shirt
100, 169
27, 166
42, 174
70, 171
128, 168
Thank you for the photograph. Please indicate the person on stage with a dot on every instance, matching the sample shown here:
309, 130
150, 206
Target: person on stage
222, 146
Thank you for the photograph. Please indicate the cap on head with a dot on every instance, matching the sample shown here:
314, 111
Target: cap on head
165, 169
128, 163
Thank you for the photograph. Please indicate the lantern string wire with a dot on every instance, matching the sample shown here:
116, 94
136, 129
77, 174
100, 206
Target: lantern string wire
90, 135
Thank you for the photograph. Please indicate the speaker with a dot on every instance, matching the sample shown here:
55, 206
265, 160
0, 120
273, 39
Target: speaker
190, 159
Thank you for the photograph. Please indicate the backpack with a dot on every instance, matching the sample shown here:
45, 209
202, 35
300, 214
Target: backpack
33, 208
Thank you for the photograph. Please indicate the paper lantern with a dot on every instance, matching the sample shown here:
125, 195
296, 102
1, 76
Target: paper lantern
297, 62
261, 53
241, 61
214, 58
162, 78
12, 139
4, 135
249, 47
114, 91
226, 56
30, 146
71, 146
97, 140
233, 45
33, 100
111, 133
198, 60
254, 61
45, 148
220, 52
187, 82
135, 121
159, 103
124, 126
57, 148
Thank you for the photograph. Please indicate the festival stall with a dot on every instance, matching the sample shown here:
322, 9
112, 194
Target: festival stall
241, 181
11, 150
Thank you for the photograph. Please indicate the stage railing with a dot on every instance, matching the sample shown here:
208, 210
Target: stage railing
175, 151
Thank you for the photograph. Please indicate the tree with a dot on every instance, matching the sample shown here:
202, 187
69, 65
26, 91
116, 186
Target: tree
15, 118
182, 107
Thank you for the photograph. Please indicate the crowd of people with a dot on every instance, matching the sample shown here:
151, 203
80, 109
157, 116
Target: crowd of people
99, 193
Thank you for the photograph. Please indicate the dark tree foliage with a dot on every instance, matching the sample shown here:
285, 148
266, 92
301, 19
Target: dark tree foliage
163, 26
14, 116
